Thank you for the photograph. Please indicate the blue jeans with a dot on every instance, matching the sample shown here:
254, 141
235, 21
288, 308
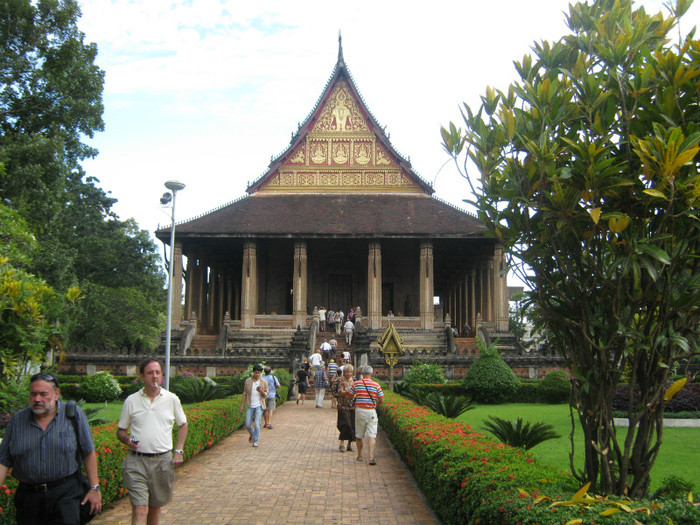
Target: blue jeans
253, 426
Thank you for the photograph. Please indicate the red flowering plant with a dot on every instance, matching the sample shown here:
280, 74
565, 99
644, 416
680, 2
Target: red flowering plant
469, 478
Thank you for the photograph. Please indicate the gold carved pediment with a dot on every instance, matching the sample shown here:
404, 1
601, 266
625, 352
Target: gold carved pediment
341, 113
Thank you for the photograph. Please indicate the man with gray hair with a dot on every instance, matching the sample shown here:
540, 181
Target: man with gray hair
368, 394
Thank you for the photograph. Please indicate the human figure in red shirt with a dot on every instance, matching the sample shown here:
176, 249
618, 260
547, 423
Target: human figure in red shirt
368, 394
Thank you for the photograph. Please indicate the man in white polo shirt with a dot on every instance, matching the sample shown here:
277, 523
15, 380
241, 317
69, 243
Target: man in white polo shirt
146, 427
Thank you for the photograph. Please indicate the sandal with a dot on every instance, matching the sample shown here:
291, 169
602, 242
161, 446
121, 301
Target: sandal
372, 461
359, 459
349, 449
341, 448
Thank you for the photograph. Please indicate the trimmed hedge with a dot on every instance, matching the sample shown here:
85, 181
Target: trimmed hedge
207, 423
468, 478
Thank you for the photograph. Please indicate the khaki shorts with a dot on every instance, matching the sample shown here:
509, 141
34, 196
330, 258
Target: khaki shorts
149, 480
270, 403
365, 423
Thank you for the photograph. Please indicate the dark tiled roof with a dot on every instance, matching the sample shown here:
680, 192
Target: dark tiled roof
335, 215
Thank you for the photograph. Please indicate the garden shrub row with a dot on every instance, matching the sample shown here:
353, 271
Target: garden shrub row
207, 422
468, 478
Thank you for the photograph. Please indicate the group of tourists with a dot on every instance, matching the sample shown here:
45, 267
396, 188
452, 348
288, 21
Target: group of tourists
337, 322
355, 397
46, 444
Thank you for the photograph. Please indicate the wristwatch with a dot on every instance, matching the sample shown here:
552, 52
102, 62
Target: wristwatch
95, 487
181, 452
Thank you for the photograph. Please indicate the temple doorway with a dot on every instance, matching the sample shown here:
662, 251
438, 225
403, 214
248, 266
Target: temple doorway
340, 292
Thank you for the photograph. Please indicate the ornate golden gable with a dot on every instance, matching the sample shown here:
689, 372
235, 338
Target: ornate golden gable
340, 153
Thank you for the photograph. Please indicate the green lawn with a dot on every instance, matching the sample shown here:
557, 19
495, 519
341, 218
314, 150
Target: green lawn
678, 453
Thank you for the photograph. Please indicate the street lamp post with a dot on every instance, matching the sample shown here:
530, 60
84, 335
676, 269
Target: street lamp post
174, 186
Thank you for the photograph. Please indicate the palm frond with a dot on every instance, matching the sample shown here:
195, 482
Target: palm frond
519, 433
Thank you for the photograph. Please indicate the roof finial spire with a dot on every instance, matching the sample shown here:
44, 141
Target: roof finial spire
340, 48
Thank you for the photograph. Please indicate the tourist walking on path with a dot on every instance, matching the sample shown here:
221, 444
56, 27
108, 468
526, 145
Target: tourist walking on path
346, 408
322, 319
315, 359
320, 385
254, 393
326, 350
368, 394
42, 449
146, 427
349, 328
271, 401
302, 382
332, 372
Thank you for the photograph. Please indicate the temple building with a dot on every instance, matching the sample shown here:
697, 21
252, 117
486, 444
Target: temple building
340, 219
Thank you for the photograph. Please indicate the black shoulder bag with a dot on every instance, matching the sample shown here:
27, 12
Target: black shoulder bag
85, 515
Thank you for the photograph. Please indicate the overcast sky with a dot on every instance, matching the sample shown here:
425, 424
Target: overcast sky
207, 91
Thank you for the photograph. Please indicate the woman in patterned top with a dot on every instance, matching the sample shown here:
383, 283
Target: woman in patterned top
346, 407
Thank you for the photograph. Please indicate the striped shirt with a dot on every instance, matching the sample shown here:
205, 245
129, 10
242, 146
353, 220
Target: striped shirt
366, 393
38, 456
332, 369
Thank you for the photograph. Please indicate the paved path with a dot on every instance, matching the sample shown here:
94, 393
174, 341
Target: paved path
304, 479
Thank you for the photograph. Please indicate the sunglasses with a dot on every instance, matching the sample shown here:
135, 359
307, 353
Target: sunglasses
45, 376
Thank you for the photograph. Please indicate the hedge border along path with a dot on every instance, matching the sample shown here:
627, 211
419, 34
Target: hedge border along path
469, 478
207, 422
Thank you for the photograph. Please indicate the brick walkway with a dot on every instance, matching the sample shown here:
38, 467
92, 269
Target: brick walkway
305, 479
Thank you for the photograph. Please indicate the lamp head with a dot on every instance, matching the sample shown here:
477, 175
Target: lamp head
174, 185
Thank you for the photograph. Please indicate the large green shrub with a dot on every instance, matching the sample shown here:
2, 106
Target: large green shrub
555, 387
425, 373
283, 376
490, 379
99, 387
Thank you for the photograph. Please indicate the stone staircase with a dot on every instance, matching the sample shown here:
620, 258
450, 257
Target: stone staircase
204, 343
341, 346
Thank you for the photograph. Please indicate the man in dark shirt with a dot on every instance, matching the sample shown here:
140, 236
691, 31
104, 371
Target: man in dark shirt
40, 447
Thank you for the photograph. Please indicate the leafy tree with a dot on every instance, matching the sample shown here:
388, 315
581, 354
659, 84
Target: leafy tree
50, 100
589, 178
29, 308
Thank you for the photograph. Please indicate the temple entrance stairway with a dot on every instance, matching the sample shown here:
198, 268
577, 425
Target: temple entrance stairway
342, 347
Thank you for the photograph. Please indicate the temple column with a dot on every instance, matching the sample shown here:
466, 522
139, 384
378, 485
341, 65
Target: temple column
201, 291
501, 291
176, 304
249, 285
472, 287
427, 289
212, 289
374, 285
220, 300
189, 286
300, 285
